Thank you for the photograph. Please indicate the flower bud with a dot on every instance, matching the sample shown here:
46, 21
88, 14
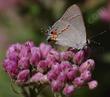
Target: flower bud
65, 65
72, 50
71, 73
11, 48
66, 55
87, 65
79, 57
24, 52
36, 78
11, 67
87, 51
35, 55
23, 63
51, 75
57, 85
13, 51
62, 77
42, 66
51, 58
78, 82
15, 47
55, 54
44, 48
68, 90
29, 44
56, 68
22, 77
12, 55
18, 47
44, 80
50, 62
86, 75
92, 84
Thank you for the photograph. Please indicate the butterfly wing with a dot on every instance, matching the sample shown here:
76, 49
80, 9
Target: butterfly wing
73, 15
75, 36
70, 36
70, 29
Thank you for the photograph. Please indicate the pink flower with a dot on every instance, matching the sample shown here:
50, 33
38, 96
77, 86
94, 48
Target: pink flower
13, 51
87, 65
42, 66
63, 71
5, 5
57, 85
72, 73
64, 65
44, 80
24, 52
62, 77
105, 14
68, 90
11, 67
86, 75
35, 55
56, 68
36, 78
92, 84
78, 82
44, 49
66, 55
29, 44
79, 57
23, 63
52, 76
55, 54
23, 76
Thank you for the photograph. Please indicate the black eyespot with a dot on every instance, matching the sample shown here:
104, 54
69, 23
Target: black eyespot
52, 32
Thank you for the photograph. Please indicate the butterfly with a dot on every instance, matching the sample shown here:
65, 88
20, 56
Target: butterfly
69, 30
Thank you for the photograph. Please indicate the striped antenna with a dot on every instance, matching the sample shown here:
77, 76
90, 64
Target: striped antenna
99, 34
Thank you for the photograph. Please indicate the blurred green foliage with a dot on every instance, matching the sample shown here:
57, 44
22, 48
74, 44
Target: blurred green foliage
30, 19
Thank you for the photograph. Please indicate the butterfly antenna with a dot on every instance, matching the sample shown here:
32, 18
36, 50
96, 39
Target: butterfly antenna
91, 38
49, 28
42, 30
45, 32
96, 43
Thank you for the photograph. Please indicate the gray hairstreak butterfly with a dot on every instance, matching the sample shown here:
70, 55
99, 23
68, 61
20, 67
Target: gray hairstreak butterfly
69, 30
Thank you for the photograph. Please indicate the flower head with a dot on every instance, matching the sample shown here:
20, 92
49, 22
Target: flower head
63, 71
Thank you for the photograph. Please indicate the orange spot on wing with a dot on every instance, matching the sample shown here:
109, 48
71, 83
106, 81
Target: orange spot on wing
53, 35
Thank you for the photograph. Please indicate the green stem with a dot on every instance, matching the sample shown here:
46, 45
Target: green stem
33, 92
24, 92
58, 95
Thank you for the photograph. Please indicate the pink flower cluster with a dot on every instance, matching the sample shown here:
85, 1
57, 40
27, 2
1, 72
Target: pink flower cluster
6, 4
105, 14
74, 72
63, 71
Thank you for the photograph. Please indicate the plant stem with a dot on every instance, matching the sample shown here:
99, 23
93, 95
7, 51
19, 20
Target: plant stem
58, 95
24, 92
32, 92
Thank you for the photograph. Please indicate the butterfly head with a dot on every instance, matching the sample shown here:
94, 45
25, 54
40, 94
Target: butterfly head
52, 36
55, 30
